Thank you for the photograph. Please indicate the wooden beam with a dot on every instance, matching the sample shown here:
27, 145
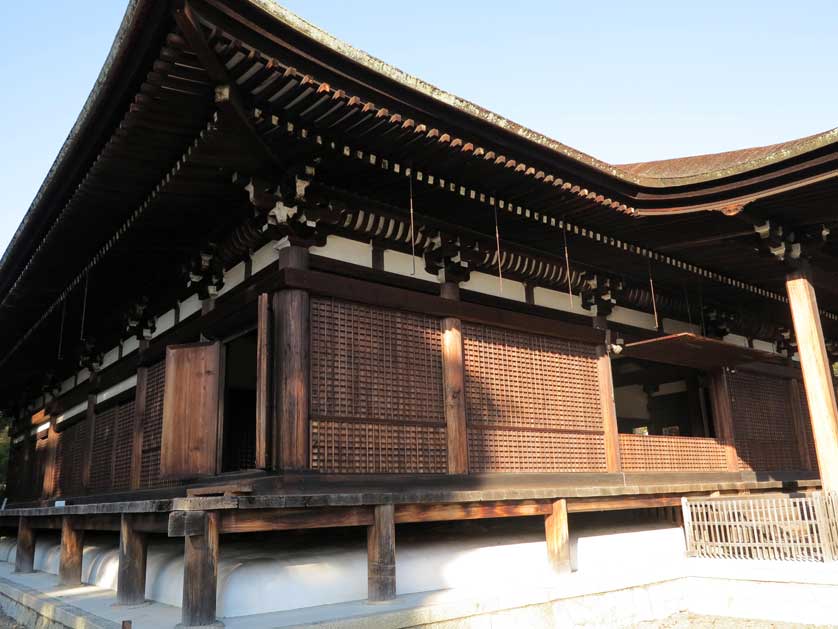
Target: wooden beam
817, 375
620, 503
200, 574
381, 555
291, 326
248, 521
723, 416
558, 540
453, 383
609, 410
133, 554
795, 401
72, 547
264, 384
25, 553
469, 510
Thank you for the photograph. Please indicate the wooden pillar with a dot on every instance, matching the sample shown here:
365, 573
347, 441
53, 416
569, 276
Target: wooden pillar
133, 551
381, 555
453, 382
200, 574
291, 327
558, 540
138, 424
723, 416
72, 547
25, 554
817, 375
264, 385
609, 410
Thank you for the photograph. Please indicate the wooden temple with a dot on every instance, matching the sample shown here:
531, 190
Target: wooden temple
274, 283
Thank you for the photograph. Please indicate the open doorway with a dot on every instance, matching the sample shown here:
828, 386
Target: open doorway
658, 399
239, 425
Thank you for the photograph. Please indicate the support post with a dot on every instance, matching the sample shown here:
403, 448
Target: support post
72, 547
453, 382
91, 438
381, 555
133, 551
138, 423
609, 411
558, 539
817, 375
264, 365
723, 417
291, 325
200, 574
25, 554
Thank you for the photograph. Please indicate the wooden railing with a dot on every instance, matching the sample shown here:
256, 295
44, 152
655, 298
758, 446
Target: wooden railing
641, 453
774, 528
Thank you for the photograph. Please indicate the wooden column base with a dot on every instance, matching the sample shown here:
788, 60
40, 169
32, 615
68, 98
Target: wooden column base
25, 554
200, 575
558, 540
133, 551
72, 546
381, 555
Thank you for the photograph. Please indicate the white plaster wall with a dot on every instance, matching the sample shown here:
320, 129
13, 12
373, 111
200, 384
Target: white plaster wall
129, 345
189, 306
264, 256
232, 278
736, 339
559, 301
632, 317
128, 383
491, 285
347, 250
164, 322
402, 263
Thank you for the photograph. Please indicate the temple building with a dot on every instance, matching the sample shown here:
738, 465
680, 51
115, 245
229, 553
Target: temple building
272, 283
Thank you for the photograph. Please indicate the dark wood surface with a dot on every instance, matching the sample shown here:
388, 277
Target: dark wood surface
133, 553
72, 547
558, 539
25, 554
453, 382
200, 574
264, 384
381, 555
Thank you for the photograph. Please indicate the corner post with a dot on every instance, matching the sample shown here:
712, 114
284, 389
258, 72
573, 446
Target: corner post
723, 417
453, 382
133, 553
381, 554
817, 374
558, 538
200, 574
291, 327
25, 554
72, 547
609, 410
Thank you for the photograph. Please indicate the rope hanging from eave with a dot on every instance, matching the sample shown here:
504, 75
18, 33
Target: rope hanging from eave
654, 301
412, 236
567, 269
497, 244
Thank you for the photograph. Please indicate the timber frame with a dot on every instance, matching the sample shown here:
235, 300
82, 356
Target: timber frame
440, 303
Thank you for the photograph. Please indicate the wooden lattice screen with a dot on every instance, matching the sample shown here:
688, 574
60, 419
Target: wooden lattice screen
763, 427
110, 464
152, 428
376, 390
17, 467
533, 403
69, 459
640, 453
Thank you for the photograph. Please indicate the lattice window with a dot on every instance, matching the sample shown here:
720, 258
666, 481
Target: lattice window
672, 454
101, 461
762, 425
69, 459
123, 442
152, 428
376, 389
533, 402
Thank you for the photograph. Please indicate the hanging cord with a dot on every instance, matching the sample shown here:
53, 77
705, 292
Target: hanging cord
654, 301
687, 299
84, 305
61, 328
412, 237
497, 244
567, 268
701, 309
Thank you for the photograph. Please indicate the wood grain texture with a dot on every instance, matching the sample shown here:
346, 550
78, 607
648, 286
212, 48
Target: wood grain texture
200, 574
609, 411
133, 553
802, 430
453, 383
87, 457
381, 555
723, 416
469, 510
189, 439
291, 430
248, 521
817, 375
72, 546
139, 417
25, 554
558, 540
264, 384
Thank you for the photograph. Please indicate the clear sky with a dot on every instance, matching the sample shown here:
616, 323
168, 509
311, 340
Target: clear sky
622, 80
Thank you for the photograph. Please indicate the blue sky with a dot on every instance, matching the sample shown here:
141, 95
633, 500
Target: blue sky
623, 81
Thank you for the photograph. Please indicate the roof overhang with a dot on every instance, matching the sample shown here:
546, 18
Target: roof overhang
698, 352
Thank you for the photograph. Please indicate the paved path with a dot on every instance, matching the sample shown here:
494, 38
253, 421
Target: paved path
694, 621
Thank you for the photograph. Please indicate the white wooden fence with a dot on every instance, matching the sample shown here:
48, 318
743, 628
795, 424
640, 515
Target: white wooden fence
778, 527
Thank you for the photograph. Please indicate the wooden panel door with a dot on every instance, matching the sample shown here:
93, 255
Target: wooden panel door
189, 441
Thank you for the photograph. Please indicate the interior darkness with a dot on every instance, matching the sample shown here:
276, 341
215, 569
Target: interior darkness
239, 437
659, 399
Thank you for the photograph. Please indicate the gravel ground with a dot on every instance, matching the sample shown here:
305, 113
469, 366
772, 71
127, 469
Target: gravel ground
693, 621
